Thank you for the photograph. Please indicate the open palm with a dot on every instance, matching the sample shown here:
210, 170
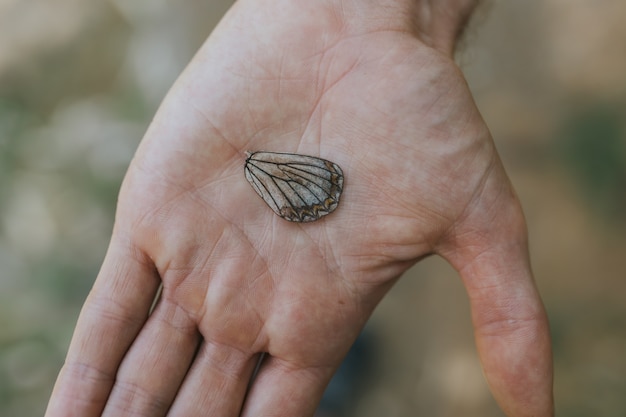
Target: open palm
421, 177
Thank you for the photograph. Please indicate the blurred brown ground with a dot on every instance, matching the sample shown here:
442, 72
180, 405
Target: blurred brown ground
549, 77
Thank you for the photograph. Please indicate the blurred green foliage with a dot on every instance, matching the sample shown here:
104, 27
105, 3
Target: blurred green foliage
593, 146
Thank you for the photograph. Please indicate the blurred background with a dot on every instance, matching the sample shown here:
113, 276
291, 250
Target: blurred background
80, 81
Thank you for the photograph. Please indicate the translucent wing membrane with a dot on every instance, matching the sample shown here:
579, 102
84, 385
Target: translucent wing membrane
298, 188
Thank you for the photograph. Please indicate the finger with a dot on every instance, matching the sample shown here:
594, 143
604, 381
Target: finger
510, 323
155, 365
512, 335
283, 389
216, 383
113, 314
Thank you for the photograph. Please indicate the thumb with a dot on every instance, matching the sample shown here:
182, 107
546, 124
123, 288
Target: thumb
489, 249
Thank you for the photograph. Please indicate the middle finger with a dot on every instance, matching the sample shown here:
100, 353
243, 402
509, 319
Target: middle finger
216, 383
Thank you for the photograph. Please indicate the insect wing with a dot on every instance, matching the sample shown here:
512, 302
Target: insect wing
298, 188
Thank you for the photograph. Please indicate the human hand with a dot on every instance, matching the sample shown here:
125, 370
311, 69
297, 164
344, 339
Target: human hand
353, 83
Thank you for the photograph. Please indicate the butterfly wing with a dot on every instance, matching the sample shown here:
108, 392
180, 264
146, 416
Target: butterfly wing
298, 188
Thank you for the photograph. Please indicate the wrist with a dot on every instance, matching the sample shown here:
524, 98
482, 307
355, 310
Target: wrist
437, 23
441, 23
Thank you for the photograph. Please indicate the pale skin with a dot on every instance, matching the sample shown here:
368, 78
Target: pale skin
370, 85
